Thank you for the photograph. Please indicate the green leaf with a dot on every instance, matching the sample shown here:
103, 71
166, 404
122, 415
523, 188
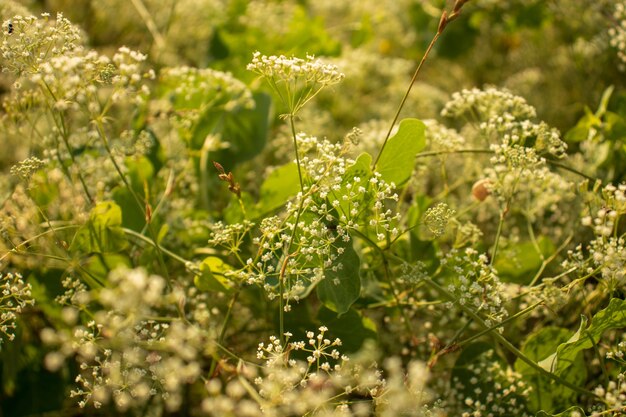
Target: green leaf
519, 262
212, 278
546, 394
612, 317
398, 158
341, 286
352, 328
103, 231
278, 187
244, 130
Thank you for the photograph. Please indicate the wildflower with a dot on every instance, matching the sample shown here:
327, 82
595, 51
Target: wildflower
295, 80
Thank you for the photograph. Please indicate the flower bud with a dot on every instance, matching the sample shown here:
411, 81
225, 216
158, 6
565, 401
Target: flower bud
480, 189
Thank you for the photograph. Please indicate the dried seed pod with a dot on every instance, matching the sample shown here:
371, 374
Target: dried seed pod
480, 189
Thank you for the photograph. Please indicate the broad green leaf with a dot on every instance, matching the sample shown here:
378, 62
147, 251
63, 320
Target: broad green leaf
212, 278
612, 317
278, 187
103, 231
546, 394
519, 263
341, 286
398, 158
352, 328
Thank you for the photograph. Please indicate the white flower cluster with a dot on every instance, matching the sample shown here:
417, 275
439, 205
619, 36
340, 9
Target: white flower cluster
484, 104
517, 172
489, 389
192, 88
296, 80
283, 69
15, 295
436, 218
613, 395
229, 236
606, 254
475, 284
25, 169
325, 384
441, 138
34, 41
617, 33
127, 355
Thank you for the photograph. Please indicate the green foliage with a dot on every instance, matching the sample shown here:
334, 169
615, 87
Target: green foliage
218, 225
612, 317
342, 285
398, 157
547, 395
103, 231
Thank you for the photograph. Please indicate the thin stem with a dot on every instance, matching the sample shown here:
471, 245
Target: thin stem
220, 339
295, 145
498, 234
497, 325
406, 95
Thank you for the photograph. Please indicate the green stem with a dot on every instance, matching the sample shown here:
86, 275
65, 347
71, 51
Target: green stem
220, 339
295, 145
498, 234
497, 325
406, 95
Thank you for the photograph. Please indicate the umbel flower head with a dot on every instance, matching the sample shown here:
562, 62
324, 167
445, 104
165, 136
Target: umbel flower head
295, 80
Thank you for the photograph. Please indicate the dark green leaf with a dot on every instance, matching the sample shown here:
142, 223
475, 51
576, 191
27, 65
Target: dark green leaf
341, 287
612, 317
352, 328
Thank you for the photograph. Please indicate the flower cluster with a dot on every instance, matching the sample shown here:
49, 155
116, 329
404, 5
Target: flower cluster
229, 236
441, 138
34, 41
127, 355
475, 284
296, 80
603, 256
617, 33
15, 295
436, 218
486, 103
190, 89
25, 169
340, 196
485, 387
613, 395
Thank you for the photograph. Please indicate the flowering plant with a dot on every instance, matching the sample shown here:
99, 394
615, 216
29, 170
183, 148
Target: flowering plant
174, 222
